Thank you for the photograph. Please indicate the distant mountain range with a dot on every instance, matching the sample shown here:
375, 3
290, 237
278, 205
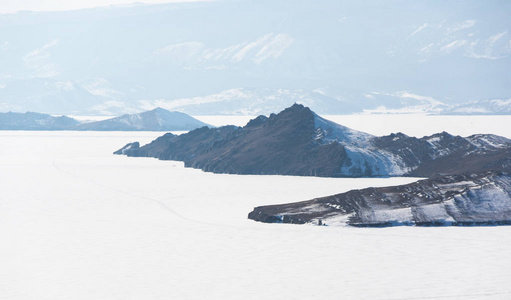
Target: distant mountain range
155, 120
35, 121
485, 107
253, 102
299, 142
475, 199
69, 97
335, 56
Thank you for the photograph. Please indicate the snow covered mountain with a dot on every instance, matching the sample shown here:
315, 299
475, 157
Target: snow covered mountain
476, 199
402, 102
157, 119
299, 142
243, 101
357, 54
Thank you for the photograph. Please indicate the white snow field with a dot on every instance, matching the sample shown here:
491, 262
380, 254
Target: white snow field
77, 222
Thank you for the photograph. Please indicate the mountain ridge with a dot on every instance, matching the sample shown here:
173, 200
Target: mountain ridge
34, 121
158, 119
155, 120
297, 141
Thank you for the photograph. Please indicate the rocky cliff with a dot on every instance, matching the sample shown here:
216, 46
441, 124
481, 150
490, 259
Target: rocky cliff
476, 199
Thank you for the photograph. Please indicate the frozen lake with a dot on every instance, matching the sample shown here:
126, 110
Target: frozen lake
77, 222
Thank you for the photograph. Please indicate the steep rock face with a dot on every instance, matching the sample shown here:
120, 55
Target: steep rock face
476, 199
298, 142
34, 121
157, 119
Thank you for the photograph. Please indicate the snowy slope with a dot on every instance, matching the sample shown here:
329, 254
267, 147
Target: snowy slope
363, 157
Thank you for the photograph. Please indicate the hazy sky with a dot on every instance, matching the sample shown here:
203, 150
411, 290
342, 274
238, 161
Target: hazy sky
367, 53
12, 6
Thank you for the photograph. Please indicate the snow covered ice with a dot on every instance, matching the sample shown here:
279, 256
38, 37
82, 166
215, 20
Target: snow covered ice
77, 222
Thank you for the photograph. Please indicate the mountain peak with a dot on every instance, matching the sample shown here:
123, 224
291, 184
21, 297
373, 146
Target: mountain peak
159, 110
296, 107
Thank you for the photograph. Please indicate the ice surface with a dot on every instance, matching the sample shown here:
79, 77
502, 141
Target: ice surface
77, 222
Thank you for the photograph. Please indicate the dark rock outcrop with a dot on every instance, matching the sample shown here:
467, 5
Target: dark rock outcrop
476, 199
128, 147
281, 144
298, 142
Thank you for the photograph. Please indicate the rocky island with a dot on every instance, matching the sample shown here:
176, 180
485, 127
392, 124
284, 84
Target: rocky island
299, 142
469, 181
476, 199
